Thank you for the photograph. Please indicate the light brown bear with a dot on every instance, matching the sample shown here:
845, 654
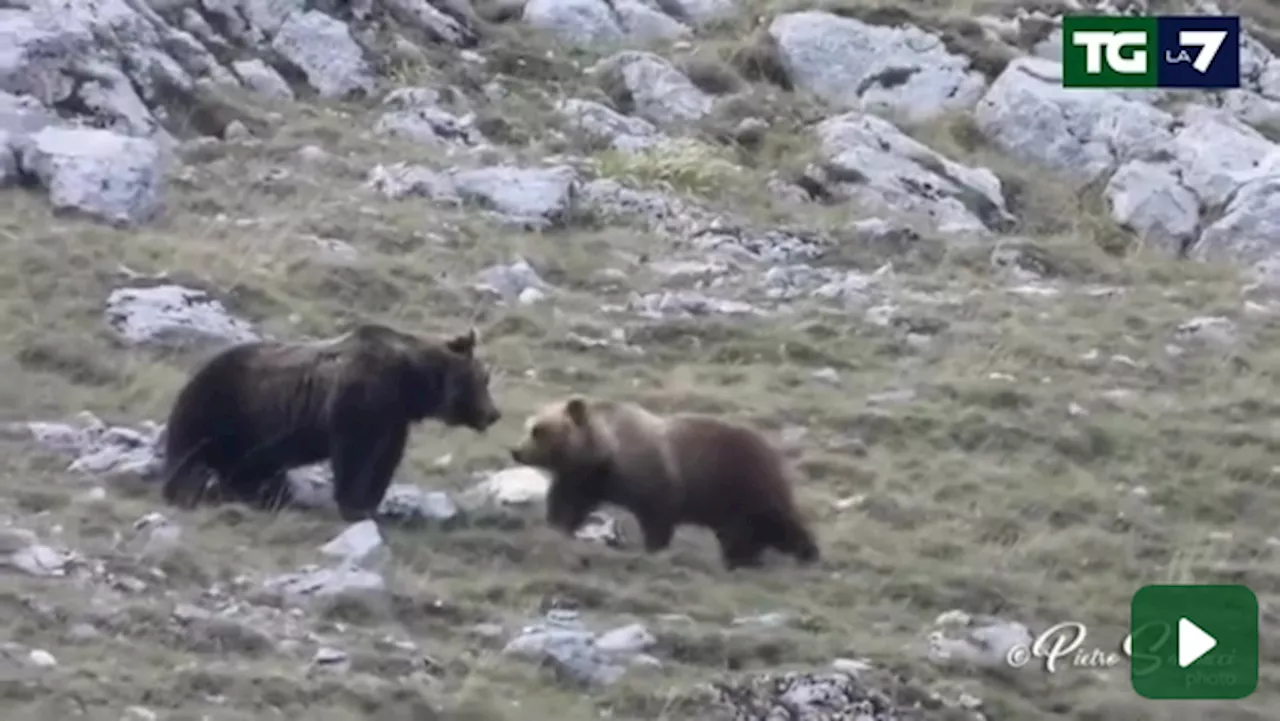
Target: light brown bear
668, 471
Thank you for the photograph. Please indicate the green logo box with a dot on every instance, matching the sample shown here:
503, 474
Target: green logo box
1077, 72
1212, 630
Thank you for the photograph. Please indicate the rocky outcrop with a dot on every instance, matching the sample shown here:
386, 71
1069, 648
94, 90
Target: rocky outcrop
98, 172
134, 75
537, 197
653, 88
601, 23
1163, 170
901, 70
867, 158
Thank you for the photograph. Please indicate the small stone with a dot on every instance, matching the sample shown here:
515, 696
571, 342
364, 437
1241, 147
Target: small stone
312, 583
313, 154
131, 584
516, 486
139, 713
83, 633
853, 501
410, 503
632, 638
827, 375
488, 630
41, 659
774, 619
357, 544
954, 617
893, 397
40, 560
326, 656
1208, 330
529, 296
851, 665
236, 130
150, 520
187, 613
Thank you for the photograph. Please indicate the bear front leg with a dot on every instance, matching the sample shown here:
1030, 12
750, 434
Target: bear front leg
792, 537
740, 546
363, 461
567, 508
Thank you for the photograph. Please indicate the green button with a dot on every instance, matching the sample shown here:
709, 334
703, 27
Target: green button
1194, 642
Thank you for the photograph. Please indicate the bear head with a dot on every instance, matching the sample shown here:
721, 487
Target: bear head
466, 400
563, 438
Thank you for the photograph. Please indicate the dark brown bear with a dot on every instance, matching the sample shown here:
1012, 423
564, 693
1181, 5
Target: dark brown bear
255, 410
668, 471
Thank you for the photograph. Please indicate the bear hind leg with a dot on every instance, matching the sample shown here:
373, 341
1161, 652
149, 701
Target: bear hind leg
271, 493
185, 484
262, 486
656, 532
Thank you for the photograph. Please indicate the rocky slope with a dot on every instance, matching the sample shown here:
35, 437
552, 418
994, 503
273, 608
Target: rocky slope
1017, 337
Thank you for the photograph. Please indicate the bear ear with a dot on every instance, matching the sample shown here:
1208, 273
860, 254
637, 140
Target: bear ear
463, 344
576, 408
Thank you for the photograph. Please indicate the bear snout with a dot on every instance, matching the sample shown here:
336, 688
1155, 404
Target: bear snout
483, 420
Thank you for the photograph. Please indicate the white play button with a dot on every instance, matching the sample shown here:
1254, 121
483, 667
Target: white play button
1193, 643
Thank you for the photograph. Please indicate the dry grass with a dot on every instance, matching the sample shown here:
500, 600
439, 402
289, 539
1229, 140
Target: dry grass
981, 491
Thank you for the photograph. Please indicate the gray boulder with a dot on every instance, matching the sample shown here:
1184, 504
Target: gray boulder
525, 196
578, 22
103, 174
169, 315
324, 49
854, 65
661, 93
868, 159
1029, 115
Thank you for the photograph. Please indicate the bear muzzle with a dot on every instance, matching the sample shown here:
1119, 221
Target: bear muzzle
482, 421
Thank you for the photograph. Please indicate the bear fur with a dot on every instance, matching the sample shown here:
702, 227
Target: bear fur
667, 471
256, 410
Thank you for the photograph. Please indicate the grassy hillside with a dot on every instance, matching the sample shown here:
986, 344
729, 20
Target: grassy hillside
1033, 433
